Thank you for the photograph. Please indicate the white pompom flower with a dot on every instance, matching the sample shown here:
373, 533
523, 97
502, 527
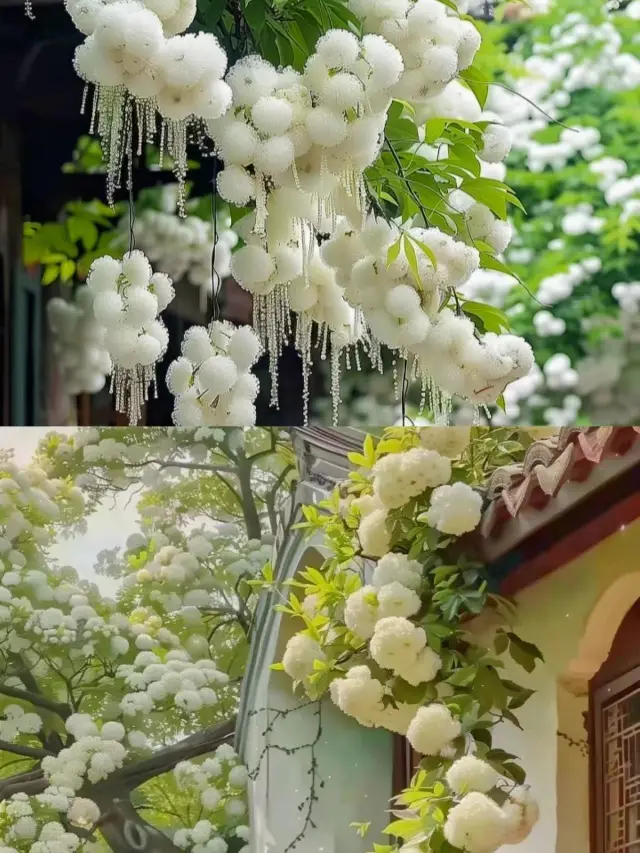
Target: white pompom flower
471, 774
455, 509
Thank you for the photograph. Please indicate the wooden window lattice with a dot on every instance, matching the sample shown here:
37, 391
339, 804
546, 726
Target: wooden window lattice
618, 771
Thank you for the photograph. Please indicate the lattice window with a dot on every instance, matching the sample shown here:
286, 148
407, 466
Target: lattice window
617, 766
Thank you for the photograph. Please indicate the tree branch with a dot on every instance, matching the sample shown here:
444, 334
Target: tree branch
59, 708
28, 751
31, 782
192, 466
133, 775
249, 509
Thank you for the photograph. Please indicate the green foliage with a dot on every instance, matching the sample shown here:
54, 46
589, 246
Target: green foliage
453, 589
592, 316
66, 249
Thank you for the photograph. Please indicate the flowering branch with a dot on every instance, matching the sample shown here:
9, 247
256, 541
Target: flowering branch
389, 647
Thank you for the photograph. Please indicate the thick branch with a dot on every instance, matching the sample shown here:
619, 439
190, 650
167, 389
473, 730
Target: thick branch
125, 831
133, 775
31, 782
18, 749
37, 699
192, 466
249, 509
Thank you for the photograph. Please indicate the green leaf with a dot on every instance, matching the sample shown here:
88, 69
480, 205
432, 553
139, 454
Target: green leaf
412, 260
515, 772
82, 230
50, 274
427, 251
434, 128
67, 269
501, 643
493, 319
404, 829
476, 83
393, 251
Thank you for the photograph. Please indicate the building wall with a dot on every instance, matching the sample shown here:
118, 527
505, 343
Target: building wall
353, 765
572, 616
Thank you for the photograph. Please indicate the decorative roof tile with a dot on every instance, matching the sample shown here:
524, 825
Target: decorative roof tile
549, 463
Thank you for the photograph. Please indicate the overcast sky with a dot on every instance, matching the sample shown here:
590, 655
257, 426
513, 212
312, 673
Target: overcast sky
108, 527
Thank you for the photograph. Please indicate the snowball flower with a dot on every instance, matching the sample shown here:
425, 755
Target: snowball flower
396, 640
373, 533
397, 568
398, 477
394, 599
83, 812
361, 612
476, 824
471, 774
454, 509
299, 656
432, 729
449, 441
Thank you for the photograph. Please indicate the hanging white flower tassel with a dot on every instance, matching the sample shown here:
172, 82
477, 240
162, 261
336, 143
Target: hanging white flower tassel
212, 380
128, 297
138, 72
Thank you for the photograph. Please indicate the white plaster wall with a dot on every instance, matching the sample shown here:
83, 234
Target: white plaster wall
353, 780
554, 614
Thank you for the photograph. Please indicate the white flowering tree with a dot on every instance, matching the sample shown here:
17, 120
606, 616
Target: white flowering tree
384, 632
352, 145
575, 167
117, 714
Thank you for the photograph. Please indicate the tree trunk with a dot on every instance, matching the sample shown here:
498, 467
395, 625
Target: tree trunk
250, 512
125, 831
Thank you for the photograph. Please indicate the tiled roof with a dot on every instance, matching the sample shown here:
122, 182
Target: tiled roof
567, 457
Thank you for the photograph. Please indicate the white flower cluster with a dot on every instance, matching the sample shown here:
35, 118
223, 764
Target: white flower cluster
399, 645
297, 145
479, 825
175, 15
580, 220
212, 380
127, 299
305, 131
397, 308
53, 838
94, 754
127, 45
175, 680
627, 295
17, 721
404, 314
398, 477
361, 696
434, 45
77, 343
561, 285
182, 247
220, 783
180, 577
299, 656
455, 509
447, 441
490, 286
552, 75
